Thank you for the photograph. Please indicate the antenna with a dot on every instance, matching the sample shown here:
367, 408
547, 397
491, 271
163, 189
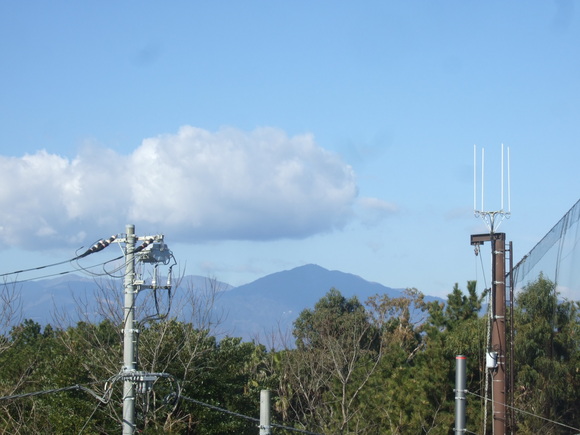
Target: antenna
502, 189
490, 217
509, 183
482, 175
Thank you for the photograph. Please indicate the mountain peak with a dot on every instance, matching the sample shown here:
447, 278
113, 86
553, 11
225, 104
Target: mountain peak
277, 299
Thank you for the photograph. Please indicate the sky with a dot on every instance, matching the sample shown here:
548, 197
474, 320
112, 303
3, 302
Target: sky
259, 136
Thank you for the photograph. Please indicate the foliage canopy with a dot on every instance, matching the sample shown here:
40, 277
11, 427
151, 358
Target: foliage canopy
385, 366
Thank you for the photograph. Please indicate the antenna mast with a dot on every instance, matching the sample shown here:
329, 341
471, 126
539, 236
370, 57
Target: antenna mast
490, 218
496, 354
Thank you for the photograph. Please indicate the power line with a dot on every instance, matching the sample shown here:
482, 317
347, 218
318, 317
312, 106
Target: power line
16, 272
105, 272
246, 417
96, 247
66, 272
528, 413
20, 281
89, 419
104, 399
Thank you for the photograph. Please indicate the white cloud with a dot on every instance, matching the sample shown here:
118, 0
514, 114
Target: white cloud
193, 185
374, 210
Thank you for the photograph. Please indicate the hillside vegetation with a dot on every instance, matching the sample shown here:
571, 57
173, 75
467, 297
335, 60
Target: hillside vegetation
382, 366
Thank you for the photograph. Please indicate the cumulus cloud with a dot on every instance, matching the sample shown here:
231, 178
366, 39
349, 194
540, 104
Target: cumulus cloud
194, 185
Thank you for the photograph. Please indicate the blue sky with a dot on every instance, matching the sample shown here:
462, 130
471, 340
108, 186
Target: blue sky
260, 136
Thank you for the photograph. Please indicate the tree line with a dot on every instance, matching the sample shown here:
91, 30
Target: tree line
382, 366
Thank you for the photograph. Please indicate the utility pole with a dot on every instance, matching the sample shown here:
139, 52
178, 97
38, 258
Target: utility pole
496, 354
498, 335
152, 251
129, 363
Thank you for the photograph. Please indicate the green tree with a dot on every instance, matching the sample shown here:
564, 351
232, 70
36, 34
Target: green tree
412, 392
39, 361
457, 329
337, 350
230, 377
547, 359
458, 309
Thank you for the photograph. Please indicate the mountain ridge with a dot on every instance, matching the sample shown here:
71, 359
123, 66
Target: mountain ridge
254, 311
279, 298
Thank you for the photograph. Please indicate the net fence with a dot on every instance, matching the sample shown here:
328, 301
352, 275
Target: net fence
556, 257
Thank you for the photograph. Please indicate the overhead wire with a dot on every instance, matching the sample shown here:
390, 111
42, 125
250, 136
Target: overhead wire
89, 419
531, 414
86, 271
246, 417
172, 397
16, 272
65, 272
96, 247
488, 331
111, 273
103, 399
20, 281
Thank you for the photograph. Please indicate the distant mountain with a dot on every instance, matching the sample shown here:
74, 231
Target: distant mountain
270, 304
260, 310
45, 300
71, 297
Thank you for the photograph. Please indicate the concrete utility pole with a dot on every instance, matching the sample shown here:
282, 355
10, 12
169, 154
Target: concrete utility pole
498, 327
129, 363
152, 251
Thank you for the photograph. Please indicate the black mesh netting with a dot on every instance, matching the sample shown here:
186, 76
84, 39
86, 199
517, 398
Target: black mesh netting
556, 256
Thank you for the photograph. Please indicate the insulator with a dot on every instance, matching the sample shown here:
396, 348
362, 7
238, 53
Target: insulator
169, 277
